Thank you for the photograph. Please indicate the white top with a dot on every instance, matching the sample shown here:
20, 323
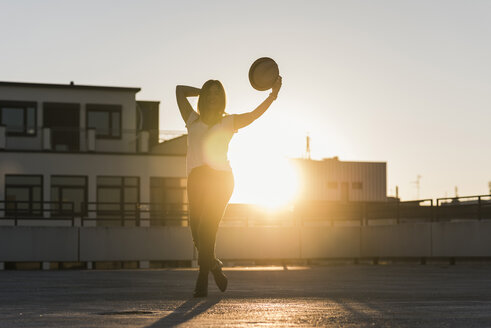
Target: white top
209, 145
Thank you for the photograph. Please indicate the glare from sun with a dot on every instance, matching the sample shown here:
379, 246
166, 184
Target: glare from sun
269, 181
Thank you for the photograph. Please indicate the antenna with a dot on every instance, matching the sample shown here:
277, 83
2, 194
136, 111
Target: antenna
418, 184
307, 147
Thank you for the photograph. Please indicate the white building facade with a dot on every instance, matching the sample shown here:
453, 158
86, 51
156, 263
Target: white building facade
87, 148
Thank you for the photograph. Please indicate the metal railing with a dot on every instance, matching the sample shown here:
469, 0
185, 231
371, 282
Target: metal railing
478, 207
426, 210
36, 211
161, 214
363, 212
253, 215
114, 213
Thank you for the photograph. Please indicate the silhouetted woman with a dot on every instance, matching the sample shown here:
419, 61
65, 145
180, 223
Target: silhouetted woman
210, 179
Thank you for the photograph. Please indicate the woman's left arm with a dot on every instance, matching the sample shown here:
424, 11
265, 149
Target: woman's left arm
243, 120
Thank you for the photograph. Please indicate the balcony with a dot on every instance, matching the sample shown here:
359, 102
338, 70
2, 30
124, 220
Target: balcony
74, 139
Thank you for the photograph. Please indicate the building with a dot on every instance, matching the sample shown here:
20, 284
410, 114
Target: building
90, 150
333, 180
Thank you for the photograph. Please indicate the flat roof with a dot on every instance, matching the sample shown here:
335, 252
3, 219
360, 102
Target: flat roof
336, 160
67, 86
149, 101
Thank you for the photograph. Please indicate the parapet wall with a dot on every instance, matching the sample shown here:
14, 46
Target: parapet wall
92, 244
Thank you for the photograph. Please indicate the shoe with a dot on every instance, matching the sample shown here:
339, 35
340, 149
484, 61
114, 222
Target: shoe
201, 289
220, 279
218, 262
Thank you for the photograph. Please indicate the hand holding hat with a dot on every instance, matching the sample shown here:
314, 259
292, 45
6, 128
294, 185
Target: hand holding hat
276, 87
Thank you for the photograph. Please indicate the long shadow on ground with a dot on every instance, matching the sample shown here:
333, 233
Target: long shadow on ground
186, 311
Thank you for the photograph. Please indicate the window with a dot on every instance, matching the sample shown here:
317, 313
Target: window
65, 188
357, 185
63, 119
168, 198
118, 196
106, 120
23, 194
118, 189
332, 185
19, 117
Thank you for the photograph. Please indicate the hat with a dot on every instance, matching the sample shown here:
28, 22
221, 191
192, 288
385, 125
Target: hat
263, 73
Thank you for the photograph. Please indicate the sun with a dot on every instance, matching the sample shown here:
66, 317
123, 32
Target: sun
263, 178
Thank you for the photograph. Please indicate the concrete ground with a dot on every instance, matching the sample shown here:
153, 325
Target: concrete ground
333, 295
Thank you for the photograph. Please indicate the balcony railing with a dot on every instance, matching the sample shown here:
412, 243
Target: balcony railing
72, 139
34, 212
326, 213
135, 214
92, 214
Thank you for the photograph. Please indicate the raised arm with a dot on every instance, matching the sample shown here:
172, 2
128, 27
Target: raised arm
182, 92
243, 120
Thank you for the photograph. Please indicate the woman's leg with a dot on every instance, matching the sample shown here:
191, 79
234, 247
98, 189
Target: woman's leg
196, 192
208, 193
219, 189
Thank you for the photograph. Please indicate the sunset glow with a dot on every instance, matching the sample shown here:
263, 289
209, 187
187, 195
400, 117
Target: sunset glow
269, 180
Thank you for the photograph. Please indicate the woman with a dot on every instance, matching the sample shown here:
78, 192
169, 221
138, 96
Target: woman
210, 179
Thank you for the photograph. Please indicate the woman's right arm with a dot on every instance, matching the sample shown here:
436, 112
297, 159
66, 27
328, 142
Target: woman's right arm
182, 92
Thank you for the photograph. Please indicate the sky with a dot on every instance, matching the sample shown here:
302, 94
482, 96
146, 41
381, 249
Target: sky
402, 82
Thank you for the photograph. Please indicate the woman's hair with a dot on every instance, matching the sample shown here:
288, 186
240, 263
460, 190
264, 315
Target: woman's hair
218, 109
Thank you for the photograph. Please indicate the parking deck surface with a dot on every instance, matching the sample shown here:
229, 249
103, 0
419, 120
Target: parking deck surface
408, 295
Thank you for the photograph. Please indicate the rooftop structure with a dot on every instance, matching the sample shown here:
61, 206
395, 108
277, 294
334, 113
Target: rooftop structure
333, 180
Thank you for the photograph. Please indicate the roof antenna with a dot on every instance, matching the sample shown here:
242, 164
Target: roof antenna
418, 184
307, 147
71, 83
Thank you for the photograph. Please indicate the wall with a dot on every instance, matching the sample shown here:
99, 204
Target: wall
176, 146
29, 244
461, 238
135, 244
440, 239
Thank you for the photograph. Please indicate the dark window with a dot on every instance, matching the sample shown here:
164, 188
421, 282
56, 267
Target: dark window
118, 196
168, 198
357, 185
23, 194
19, 117
106, 120
332, 185
63, 119
65, 188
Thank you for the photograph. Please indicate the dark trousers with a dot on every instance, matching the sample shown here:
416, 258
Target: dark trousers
209, 191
